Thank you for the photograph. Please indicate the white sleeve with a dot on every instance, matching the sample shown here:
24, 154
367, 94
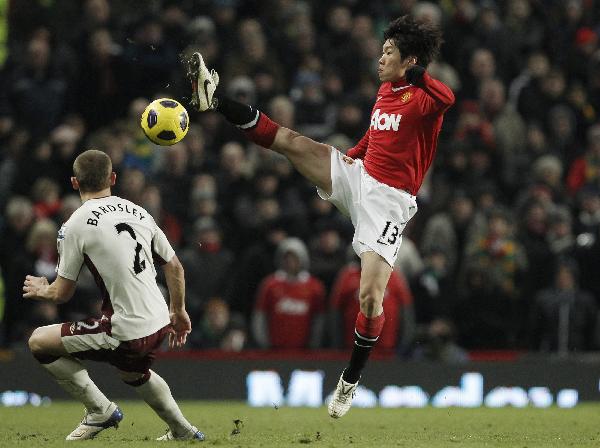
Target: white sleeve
162, 252
70, 252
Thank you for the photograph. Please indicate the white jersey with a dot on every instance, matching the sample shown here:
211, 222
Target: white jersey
118, 240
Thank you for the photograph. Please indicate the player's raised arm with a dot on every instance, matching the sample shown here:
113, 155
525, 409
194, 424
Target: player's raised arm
59, 291
439, 96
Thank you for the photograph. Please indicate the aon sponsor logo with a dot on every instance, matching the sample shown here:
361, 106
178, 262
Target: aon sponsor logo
385, 122
289, 305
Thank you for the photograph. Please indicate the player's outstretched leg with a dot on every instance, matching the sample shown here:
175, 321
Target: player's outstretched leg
312, 159
156, 393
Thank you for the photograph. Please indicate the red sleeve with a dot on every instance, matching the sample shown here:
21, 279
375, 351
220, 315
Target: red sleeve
439, 96
263, 296
576, 176
359, 151
399, 287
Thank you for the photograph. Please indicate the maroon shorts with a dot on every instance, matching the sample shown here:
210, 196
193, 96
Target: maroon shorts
91, 339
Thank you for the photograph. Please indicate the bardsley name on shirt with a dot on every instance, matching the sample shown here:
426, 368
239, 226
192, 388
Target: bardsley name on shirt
104, 209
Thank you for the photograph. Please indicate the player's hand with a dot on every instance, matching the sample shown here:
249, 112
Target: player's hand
414, 74
181, 326
34, 286
348, 160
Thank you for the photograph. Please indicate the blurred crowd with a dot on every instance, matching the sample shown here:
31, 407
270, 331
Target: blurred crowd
503, 254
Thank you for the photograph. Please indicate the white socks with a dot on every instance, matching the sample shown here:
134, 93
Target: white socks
72, 376
157, 394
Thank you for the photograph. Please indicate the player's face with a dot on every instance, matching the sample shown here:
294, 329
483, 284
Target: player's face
391, 64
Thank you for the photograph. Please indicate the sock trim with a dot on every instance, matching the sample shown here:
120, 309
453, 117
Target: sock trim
45, 359
139, 382
364, 337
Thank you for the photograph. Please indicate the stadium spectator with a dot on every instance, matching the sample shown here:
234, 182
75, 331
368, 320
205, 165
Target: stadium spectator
451, 231
100, 91
255, 263
399, 328
564, 317
36, 84
152, 202
45, 194
409, 262
208, 264
588, 258
437, 342
219, 328
485, 314
149, 59
533, 235
327, 254
39, 259
500, 254
587, 219
432, 289
19, 217
585, 170
289, 312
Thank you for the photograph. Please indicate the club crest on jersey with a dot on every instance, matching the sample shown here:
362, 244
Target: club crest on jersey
61, 232
384, 121
406, 96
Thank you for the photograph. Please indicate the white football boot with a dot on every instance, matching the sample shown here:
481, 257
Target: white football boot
342, 398
192, 434
204, 83
92, 424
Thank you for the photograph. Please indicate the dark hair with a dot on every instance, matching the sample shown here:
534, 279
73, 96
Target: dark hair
414, 38
92, 169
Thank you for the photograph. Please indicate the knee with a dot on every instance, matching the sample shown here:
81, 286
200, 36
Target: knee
289, 143
134, 378
370, 302
36, 342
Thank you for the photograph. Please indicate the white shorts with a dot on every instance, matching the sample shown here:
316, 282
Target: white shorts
378, 212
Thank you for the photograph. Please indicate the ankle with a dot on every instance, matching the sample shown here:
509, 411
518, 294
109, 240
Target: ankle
350, 376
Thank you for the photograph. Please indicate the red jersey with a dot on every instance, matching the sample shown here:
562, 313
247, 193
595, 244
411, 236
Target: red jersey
399, 146
344, 298
290, 306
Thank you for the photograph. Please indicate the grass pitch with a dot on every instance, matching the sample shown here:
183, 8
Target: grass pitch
297, 427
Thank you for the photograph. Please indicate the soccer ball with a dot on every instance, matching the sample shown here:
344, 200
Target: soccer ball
165, 121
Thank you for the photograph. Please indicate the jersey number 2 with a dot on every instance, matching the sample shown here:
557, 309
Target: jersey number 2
138, 266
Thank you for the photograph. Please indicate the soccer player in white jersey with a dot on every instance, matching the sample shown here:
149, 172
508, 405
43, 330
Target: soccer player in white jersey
119, 242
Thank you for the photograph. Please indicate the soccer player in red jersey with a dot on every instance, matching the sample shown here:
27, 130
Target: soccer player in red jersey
376, 182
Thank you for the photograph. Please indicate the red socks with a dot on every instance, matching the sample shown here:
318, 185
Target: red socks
264, 132
366, 333
369, 327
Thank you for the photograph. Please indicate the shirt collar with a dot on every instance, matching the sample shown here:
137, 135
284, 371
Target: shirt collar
397, 86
